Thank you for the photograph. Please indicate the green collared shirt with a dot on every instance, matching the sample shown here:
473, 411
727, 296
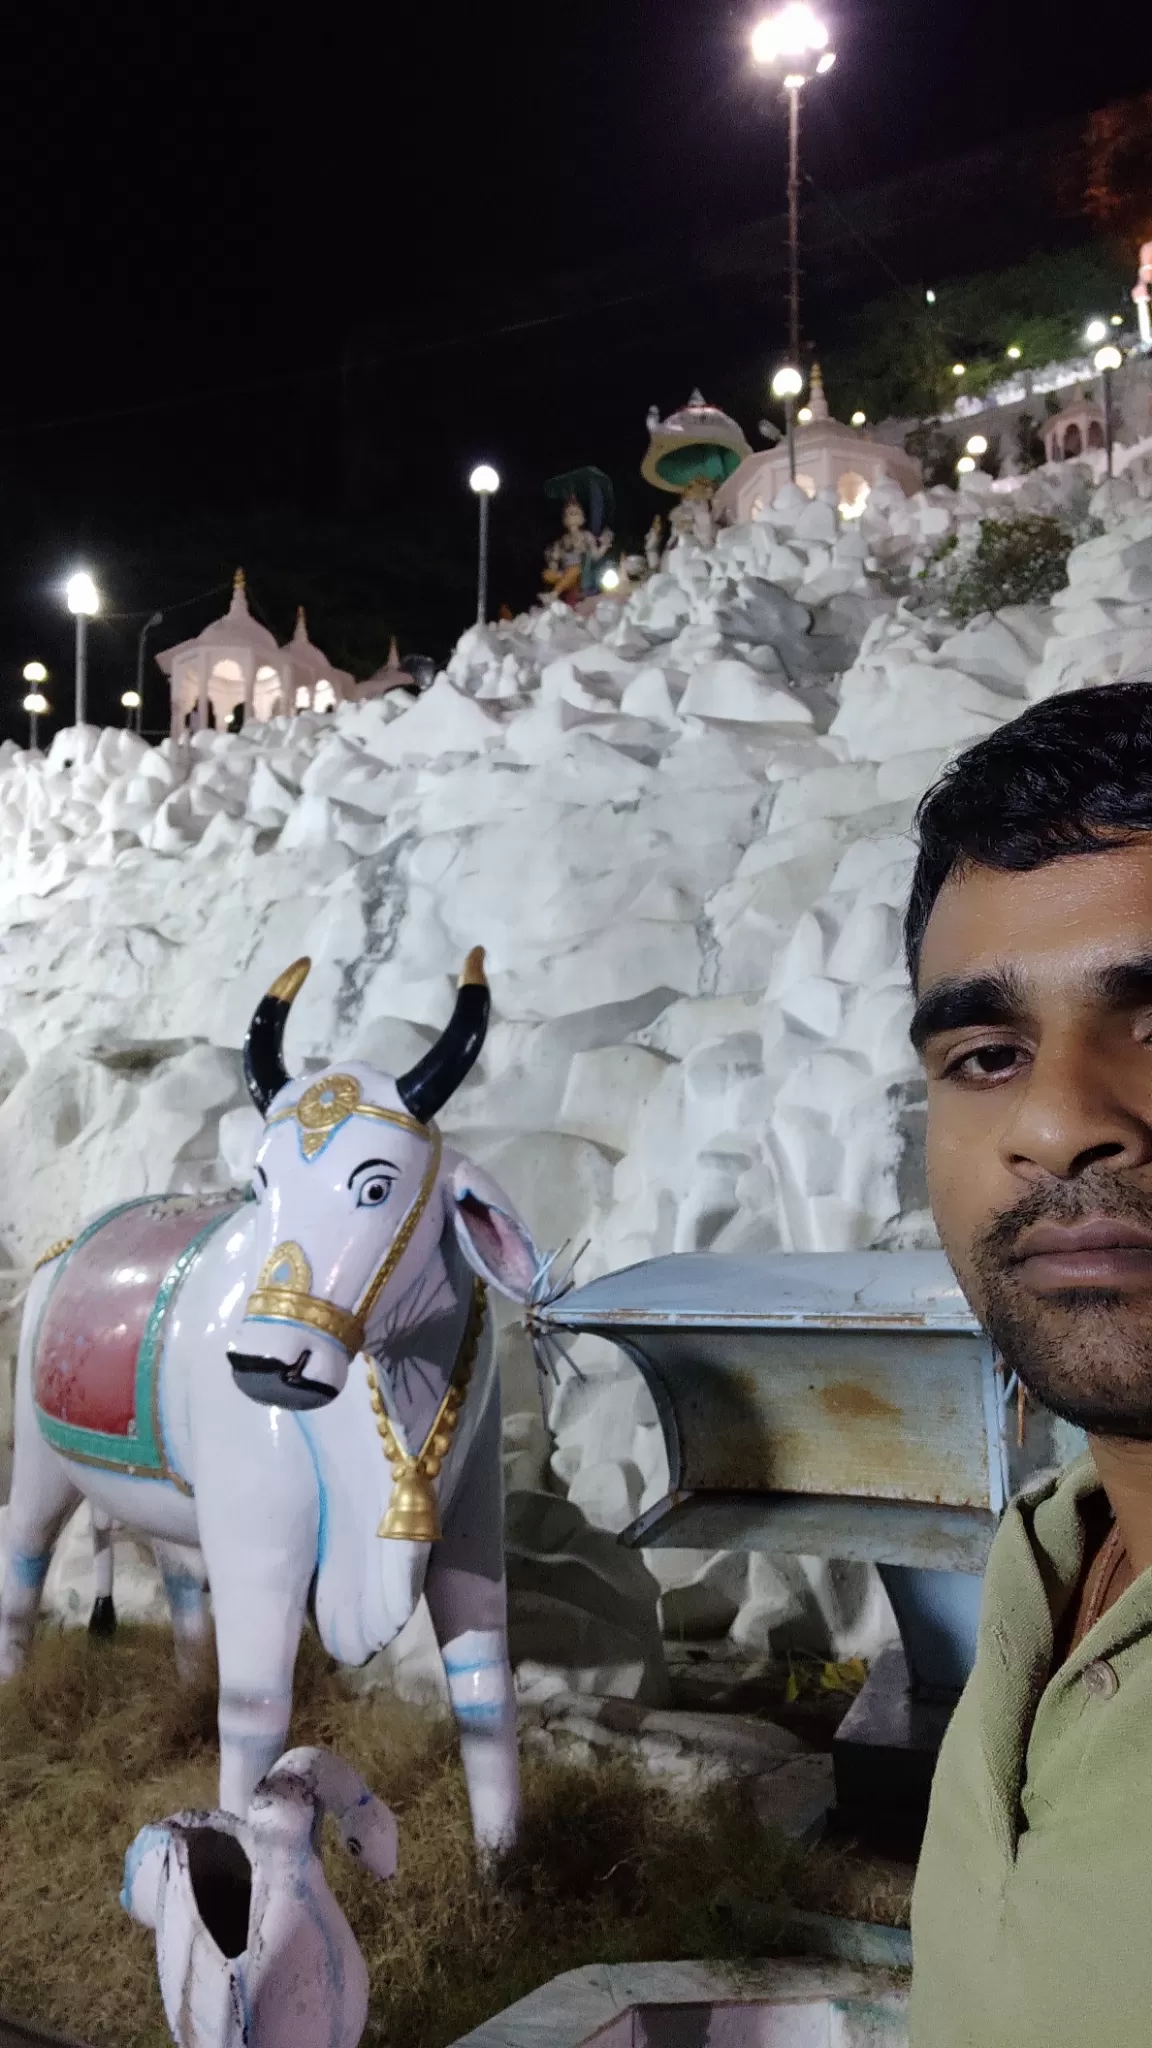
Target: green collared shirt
1032, 1909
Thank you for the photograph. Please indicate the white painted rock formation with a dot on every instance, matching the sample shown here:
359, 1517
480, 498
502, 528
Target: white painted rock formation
681, 830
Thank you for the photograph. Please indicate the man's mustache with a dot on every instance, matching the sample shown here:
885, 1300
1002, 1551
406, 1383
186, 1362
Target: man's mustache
1095, 1193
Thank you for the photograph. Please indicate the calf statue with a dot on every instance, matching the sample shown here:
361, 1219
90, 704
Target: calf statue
293, 1394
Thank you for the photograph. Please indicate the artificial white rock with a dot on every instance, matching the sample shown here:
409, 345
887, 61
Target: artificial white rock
690, 892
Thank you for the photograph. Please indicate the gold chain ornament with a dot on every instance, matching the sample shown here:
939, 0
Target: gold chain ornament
413, 1513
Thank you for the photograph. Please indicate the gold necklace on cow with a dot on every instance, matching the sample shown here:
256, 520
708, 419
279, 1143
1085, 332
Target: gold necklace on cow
413, 1514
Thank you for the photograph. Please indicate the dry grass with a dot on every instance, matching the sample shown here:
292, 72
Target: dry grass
96, 1739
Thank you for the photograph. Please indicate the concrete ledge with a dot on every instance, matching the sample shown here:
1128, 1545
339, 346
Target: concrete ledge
606, 2004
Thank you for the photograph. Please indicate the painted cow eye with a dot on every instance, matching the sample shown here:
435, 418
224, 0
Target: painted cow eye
373, 1192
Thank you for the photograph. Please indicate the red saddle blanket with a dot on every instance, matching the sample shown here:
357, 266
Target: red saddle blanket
97, 1347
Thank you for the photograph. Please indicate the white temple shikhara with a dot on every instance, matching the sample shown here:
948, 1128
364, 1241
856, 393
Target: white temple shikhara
236, 662
829, 457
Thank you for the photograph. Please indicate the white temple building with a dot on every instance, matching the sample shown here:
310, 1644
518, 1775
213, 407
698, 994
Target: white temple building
236, 662
310, 683
829, 457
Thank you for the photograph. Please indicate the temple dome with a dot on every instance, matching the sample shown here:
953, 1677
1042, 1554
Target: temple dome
696, 444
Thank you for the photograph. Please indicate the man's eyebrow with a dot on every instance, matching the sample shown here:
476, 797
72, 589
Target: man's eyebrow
1123, 984
967, 999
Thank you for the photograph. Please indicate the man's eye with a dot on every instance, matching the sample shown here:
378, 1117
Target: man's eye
985, 1063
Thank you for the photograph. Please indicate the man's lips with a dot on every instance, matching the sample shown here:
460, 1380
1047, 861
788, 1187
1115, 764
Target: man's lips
1099, 1251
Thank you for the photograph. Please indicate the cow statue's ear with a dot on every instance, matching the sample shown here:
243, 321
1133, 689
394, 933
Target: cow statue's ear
491, 1235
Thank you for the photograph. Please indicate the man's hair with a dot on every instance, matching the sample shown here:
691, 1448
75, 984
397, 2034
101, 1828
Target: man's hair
1068, 776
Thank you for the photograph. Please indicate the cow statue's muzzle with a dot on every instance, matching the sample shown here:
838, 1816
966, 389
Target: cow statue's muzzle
283, 1296
277, 1385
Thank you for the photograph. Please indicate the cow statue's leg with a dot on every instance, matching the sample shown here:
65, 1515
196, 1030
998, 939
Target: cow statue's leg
186, 1584
102, 1620
258, 1603
468, 1602
43, 1495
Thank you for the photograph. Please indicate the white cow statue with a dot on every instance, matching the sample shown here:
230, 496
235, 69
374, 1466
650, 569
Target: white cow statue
293, 1395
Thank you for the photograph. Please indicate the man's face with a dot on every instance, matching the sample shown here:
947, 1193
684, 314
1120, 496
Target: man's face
1034, 1018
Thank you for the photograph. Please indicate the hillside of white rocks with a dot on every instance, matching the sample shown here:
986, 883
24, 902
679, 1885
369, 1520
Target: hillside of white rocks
681, 831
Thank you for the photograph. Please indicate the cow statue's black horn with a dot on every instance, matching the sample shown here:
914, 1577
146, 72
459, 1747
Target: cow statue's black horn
427, 1086
264, 1068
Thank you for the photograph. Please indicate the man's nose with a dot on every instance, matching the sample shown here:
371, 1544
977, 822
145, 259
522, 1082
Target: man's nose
1080, 1111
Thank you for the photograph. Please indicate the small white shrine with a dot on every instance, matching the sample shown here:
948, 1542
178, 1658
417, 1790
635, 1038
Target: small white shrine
236, 662
1073, 430
391, 677
310, 683
829, 457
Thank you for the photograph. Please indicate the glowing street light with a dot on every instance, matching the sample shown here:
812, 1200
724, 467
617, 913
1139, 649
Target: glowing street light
805, 415
83, 602
35, 703
1105, 361
1096, 330
796, 40
976, 445
787, 384
959, 369
930, 297
610, 580
1013, 352
966, 465
130, 699
483, 480
858, 419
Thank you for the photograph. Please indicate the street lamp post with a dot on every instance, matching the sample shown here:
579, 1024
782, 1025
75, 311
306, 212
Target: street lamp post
795, 39
35, 703
83, 603
155, 620
1106, 360
788, 384
131, 702
484, 480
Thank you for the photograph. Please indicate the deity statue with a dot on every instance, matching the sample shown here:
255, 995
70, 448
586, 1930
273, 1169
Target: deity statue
572, 563
654, 544
692, 518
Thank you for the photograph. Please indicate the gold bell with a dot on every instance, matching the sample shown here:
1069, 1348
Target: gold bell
413, 1514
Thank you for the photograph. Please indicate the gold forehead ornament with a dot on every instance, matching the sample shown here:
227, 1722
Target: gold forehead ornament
328, 1103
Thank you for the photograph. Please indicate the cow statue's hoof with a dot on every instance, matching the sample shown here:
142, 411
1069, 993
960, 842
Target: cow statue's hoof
251, 1947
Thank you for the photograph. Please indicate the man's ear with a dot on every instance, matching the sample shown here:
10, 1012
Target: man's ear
491, 1235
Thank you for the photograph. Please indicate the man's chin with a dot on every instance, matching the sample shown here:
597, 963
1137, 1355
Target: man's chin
1084, 1353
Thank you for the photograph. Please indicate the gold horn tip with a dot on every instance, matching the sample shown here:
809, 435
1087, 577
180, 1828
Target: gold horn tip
288, 985
473, 975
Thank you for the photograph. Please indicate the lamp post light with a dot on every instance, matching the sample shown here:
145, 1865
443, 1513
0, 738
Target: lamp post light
130, 699
797, 41
155, 620
1106, 360
1095, 331
484, 480
83, 602
36, 706
35, 703
788, 384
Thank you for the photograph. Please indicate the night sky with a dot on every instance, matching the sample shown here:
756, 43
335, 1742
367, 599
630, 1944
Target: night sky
205, 207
